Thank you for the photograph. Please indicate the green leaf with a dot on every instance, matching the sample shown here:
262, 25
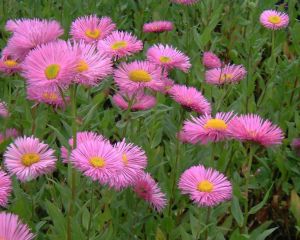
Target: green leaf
257, 207
295, 206
60, 137
159, 234
237, 212
266, 233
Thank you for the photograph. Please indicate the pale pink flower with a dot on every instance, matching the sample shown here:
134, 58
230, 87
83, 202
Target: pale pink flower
191, 98
8, 64
225, 75
274, 20
253, 128
146, 188
138, 75
91, 28
5, 188
28, 158
168, 57
211, 60
12, 228
206, 128
120, 44
158, 26
205, 187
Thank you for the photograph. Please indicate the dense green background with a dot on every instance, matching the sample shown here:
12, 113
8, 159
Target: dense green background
231, 29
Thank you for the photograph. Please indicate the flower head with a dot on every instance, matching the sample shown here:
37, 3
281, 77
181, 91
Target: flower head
253, 128
191, 98
205, 187
12, 228
225, 75
96, 159
8, 64
120, 44
28, 158
138, 75
168, 57
211, 60
91, 28
5, 188
207, 128
274, 20
92, 66
50, 64
134, 161
146, 188
139, 100
158, 26
30, 33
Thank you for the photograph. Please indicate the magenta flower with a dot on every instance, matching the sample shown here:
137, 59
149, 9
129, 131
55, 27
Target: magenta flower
138, 100
146, 188
138, 75
253, 128
92, 66
56, 65
274, 20
134, 161
205, 187
120, 44
191, 98
158, 26
211, 60
5, 188
97, 160
3, 110
168, 57
30, 33
12, 228
8, 64
225, 75
91, 28
208, 129
28, 158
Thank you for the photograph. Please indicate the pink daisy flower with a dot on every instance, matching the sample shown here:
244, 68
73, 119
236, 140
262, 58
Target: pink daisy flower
48, 94
28, 158
29, 33
5, 188
50, 64
81, 137
11, 133
228, 74
133, 160
120, 44
92, 66
146, 188
3, 110
191, 98
211, 60
205, 187
140, 101
253, 128
168, 57
158, 26
12, 228
296, 146
138, 75
185, 2
8, 64
274, 20
182, 136
91, 28
97, 160
208, 129
168, 84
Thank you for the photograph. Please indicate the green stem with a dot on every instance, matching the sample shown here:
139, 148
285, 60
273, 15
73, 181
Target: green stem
212, 158
206, 222
73, 180
91, 211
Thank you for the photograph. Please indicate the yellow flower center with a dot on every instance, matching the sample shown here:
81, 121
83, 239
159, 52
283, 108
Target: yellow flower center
97, 162
49, 96
52, 71
82, 66
124, 159
205, 186
165, 59
118, 45
274, 19
94, 34
226, 76
139, 76
30, 158
10, 63
216, 124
